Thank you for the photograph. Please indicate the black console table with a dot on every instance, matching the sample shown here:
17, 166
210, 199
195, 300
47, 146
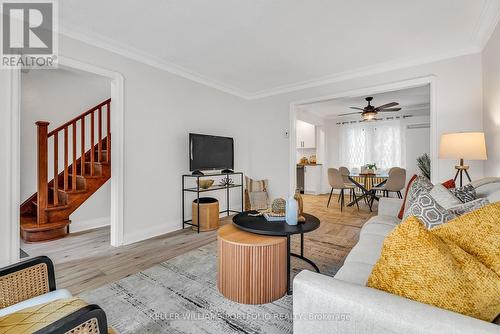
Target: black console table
199, 190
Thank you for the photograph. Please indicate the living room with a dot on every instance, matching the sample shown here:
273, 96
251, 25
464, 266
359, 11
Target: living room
240, 71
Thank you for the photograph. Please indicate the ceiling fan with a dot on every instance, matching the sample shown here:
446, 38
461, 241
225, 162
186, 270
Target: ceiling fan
370, 112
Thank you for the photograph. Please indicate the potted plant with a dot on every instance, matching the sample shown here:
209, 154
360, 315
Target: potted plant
424, 164
371, 168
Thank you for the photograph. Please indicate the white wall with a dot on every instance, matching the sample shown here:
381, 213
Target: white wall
459, 108
57, 96
160, 110
491, 87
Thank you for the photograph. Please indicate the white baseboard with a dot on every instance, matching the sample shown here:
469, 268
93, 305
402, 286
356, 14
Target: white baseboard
130, 238
84, 225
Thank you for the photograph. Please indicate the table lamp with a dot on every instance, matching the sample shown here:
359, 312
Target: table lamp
463, 145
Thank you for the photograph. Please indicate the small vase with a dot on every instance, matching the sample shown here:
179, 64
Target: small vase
291, 211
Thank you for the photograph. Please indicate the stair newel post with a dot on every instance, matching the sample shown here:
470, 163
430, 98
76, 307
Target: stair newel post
56, 169
108, 132
43, 169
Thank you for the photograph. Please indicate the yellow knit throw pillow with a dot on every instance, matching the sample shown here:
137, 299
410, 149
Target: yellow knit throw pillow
419, 265
477, 233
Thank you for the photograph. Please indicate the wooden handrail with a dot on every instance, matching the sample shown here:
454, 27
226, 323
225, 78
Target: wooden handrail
77, 118
43, 155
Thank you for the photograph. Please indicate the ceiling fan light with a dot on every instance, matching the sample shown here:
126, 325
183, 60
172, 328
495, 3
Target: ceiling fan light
368, 116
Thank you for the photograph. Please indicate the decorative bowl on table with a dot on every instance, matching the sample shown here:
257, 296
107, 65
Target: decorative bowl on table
205, 184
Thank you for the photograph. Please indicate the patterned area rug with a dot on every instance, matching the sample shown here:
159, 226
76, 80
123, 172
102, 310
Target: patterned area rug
181, 296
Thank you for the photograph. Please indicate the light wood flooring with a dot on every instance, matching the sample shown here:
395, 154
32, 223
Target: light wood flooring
85, 260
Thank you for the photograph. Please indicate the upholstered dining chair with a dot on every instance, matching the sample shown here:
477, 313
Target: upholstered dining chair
395, 183
345, 176
337, 182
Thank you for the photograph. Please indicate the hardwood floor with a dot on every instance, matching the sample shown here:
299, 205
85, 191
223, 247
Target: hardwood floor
85, 260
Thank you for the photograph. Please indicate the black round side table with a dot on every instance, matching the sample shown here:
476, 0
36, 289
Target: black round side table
259, 225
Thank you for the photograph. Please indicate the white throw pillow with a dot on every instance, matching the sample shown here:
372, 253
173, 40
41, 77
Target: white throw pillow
444, 197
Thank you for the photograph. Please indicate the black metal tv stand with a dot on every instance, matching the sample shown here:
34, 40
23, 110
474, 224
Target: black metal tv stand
198, 190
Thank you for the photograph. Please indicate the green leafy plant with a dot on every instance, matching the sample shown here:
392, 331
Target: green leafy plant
371, 166
424, 164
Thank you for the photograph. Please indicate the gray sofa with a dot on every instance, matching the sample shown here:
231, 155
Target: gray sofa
343, 304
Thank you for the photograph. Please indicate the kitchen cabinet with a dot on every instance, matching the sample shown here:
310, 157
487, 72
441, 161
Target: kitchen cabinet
306, 135
312, 179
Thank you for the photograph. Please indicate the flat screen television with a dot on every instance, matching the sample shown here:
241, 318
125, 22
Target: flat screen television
208, 152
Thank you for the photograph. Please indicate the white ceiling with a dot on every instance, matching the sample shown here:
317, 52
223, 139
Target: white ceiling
413, 101
254, 48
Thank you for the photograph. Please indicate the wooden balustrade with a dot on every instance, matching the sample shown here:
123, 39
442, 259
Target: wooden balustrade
43, 154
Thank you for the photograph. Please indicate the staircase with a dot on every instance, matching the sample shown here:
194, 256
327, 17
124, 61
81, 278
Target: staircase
81, 164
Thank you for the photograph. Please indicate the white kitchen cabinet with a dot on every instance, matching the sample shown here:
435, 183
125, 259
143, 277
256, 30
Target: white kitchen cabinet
306, 135
312, 179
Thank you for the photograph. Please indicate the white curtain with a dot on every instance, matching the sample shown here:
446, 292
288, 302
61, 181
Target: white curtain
378, 142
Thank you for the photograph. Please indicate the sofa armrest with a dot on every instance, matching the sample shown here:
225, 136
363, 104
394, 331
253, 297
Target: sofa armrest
389, 206
25, 280
322, 304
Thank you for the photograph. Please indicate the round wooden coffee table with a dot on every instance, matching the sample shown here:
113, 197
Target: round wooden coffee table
251, 268
258, 224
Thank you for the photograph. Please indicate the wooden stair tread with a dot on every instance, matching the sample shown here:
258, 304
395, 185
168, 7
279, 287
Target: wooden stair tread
30, 225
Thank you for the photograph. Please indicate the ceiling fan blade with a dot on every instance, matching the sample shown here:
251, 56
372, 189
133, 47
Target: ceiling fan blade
395, 109
387, 105
356, 108
350, 113
390, 109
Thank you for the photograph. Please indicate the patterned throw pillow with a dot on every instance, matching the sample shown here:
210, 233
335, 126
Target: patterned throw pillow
425, 208
420, 183
444, 197
465, 194
464, 208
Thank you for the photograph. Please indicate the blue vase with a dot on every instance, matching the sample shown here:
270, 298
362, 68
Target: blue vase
291, 211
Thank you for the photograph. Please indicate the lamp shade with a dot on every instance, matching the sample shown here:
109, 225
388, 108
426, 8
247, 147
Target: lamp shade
463, 145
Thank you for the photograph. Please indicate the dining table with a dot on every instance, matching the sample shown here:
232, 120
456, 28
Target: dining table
365, 182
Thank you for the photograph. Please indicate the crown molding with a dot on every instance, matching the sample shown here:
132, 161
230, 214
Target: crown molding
363, 72
486, 24
148, 59
482, 33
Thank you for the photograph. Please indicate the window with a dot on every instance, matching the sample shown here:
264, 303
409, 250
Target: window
378, 142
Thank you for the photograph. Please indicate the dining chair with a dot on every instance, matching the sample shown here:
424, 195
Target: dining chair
395, 183
337, 182
344, 171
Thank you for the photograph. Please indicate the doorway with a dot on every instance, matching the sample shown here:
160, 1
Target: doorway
352, 141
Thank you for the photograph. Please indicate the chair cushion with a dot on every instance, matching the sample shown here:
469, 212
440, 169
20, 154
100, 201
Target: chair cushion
418, 264
354, 272
45, 298
34, 318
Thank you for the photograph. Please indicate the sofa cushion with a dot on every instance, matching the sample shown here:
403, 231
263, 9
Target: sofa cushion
428, 210
444, 197
465, 194
354, 272
386, 220
378, 228
367, 250
464, 208
38, 300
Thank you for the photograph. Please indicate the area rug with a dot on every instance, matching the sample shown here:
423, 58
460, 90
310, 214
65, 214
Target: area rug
181, 296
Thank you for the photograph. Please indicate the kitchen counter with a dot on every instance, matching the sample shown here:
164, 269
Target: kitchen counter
308, 164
